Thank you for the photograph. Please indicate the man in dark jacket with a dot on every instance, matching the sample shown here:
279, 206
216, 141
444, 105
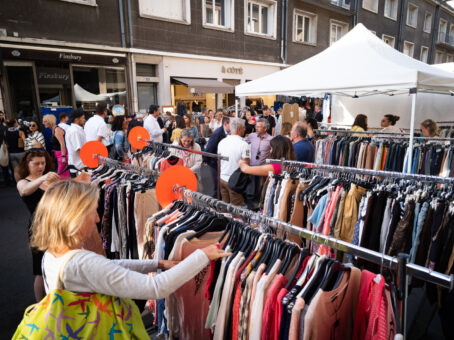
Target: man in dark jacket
210, 164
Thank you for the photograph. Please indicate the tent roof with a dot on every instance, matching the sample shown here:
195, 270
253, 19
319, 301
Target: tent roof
358, 64
83, 95
196, 85
449, 67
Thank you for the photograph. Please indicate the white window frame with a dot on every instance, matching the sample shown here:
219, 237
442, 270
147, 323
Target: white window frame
390, 37
373, 10
417, 12
441, 54
424, 48
230, 27
431, 22
187, 14
83, 2
396, 10
272, 5
412, 48
314, 23
449, 58
340, 23
445, 32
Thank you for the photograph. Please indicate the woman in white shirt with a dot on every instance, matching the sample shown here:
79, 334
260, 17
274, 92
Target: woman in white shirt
191, 160
388, 123
66, 216
35, 139
216, 122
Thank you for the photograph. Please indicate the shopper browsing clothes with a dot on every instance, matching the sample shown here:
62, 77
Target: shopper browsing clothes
63, 219
360, 124
34, 178
58, 144
96, 128
75, 139
35, 139
191, 160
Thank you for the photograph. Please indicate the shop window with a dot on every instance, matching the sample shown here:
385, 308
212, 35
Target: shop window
54, 84
424, 54
438, 57
428, 22
337, 30
408, 48
305, 27
442, 28
261, 17
169, 10
371, 5
412, 15
218, 14
391, 9
22, 95
389, 40
147, 94
94, 84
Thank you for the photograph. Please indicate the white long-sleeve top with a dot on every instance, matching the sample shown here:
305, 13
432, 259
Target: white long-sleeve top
90, 272
151, 124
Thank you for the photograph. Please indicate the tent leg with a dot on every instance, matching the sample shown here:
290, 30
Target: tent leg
412, 129
236, 107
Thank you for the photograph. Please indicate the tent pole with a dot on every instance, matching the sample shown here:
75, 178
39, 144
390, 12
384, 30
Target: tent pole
236, 107
412, 129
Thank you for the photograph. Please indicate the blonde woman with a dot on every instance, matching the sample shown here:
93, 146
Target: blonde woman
66, 216
58, 144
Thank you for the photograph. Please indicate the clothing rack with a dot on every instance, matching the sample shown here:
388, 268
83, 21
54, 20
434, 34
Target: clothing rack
203, 153
368, 172
393, 135
120, 165
400, 263
350, 125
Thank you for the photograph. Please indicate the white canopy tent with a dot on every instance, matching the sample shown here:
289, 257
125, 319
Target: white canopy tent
449, 67
359, 64
83, 95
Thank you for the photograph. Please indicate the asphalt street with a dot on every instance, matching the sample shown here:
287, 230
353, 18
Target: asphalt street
16, 282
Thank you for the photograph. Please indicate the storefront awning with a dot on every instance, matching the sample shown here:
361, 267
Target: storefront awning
205, 85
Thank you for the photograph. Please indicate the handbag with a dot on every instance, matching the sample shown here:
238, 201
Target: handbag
68, 315
4, 156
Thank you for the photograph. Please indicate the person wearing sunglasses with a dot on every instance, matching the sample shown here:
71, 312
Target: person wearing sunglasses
35, 139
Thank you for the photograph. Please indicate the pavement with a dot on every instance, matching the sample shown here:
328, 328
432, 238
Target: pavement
16, 282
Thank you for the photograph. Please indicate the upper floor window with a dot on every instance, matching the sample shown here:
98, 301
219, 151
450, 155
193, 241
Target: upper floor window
305, 27
439, 57
451, 35
83, 2
261, 17
371, 5
342, 3
428, 22
442, 28
389, 40
337, 30
412, 15
409, 48
424, 54
169, 10
218, 14
449, 58
391, 9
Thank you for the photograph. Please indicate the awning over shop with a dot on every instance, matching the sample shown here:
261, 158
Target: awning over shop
204, 85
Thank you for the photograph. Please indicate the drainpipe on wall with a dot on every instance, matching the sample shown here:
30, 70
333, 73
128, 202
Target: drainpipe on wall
355, 12
285, 30
132, 64
401, 25
122, 23
435, 26
282, 31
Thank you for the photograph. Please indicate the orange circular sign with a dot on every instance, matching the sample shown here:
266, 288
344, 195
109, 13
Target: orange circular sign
90, 150
138, 137
177, 175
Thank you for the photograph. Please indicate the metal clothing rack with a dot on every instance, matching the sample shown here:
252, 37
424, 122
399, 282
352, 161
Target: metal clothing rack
120, 165
400, 263
368, 172
219, 158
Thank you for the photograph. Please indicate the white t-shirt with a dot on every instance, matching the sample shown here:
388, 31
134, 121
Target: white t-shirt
75, 139
90, 272
63, 126
214, 124
151, 124
96, 127
235, 148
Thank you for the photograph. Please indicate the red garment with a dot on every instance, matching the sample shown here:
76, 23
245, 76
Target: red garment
211, 277
371, 321
278, 312
269, 311
277, 169
165, 163
237, 296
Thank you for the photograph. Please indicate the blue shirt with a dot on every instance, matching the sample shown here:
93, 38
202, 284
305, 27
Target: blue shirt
304, 151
